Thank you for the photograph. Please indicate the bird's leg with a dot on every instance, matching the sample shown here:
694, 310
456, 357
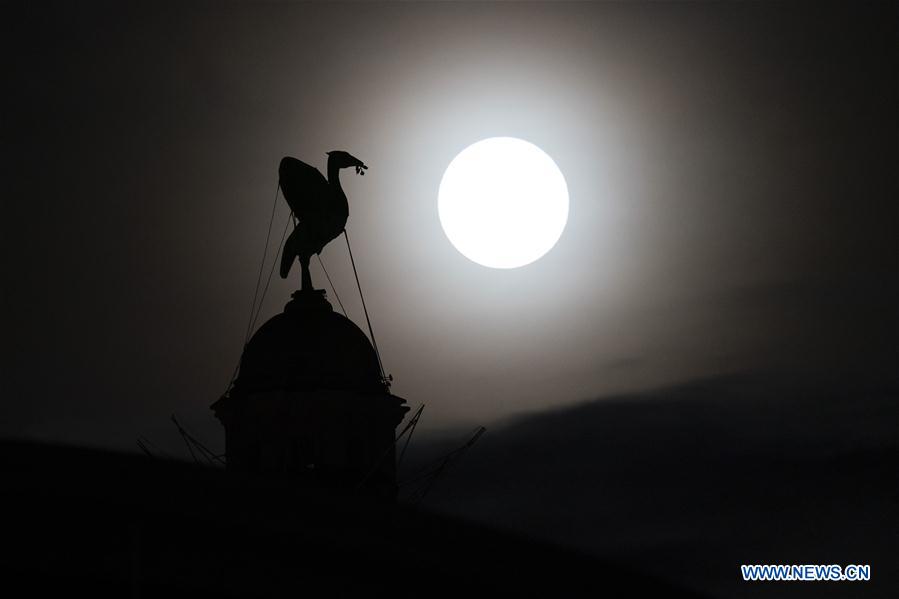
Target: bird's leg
306, 277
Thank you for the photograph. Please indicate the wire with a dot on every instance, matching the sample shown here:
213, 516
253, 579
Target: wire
189, 439
186, 442
367, 319
270, 273
410, 426
414, 423
144, 448
246, 336
430, 477
268, 236
333, 288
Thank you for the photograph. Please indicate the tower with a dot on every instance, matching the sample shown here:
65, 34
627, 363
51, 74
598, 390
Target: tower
310, 401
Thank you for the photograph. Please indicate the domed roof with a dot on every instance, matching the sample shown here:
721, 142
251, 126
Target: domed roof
309, 346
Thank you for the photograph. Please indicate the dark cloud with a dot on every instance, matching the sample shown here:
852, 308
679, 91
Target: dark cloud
690, 481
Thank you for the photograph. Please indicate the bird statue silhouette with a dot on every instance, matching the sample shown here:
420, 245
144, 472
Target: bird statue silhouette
319, 205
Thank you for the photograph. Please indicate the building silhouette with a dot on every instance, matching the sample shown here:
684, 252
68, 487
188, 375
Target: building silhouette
311, 401
306, 506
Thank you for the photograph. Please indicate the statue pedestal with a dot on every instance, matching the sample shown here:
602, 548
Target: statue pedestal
308, 300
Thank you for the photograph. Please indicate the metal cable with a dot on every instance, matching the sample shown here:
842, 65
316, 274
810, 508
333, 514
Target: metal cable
367, 319
333, 288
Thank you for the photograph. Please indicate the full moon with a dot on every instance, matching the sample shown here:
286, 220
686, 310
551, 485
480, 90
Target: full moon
503, 202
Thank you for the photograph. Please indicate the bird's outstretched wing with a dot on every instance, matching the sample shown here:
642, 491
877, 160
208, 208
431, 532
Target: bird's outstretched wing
304, 188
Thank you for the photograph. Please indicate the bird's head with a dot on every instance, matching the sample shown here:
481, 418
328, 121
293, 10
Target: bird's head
342, 159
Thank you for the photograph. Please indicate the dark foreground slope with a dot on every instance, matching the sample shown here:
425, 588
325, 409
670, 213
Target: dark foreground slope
79, 522
688, 482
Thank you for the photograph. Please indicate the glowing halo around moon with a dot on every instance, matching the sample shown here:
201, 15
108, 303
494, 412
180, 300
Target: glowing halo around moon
503, 202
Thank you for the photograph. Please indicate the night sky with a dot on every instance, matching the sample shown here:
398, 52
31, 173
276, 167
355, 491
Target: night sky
731, 172
731, 169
